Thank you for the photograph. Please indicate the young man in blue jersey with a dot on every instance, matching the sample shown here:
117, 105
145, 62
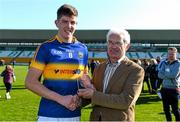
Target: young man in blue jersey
61, 61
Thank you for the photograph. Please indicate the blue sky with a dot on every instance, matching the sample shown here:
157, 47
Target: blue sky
93, 14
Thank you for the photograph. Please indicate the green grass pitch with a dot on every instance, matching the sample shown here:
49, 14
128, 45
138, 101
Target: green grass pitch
23, 105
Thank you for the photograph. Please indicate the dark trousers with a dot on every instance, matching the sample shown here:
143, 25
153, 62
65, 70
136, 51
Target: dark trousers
146, 79
8, 87
159, 82
170, 98
153, 84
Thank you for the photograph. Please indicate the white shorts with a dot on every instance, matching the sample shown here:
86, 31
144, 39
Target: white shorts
50, 119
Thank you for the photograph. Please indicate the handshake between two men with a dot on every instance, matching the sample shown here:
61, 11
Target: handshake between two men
73, 102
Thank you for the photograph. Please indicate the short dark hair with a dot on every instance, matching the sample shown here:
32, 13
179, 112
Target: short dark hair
66, 10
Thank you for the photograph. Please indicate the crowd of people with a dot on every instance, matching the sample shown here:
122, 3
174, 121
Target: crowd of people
151, 78
164, 76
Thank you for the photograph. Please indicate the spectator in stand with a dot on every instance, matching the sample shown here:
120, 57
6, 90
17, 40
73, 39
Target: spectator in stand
8, 78
170, 73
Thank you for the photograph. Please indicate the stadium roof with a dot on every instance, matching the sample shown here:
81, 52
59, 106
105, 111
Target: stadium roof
137, 36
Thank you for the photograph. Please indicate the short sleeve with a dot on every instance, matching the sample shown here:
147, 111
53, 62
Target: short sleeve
40, 58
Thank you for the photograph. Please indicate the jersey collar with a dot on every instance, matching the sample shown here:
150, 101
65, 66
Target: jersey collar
61, 40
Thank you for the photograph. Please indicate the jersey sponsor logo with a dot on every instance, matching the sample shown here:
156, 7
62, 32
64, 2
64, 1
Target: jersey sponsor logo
66, 71
69, 51
56, 52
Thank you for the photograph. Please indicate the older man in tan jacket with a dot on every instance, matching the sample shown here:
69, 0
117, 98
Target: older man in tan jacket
117, 83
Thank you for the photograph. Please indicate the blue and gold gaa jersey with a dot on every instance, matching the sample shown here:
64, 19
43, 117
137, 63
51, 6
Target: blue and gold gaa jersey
62, 63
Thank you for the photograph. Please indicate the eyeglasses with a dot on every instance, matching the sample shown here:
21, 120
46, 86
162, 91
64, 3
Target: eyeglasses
117, 43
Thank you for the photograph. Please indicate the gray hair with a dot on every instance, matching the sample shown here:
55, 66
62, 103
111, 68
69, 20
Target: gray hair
120, 32
173, 49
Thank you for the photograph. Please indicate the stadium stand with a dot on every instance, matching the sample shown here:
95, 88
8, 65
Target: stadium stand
20, 45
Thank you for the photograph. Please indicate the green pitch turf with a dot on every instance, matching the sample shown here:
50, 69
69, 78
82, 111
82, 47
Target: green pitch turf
23, 105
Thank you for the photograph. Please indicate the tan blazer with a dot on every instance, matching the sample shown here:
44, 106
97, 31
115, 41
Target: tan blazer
123, 90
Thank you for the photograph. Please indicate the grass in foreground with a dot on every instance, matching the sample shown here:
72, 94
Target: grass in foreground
24, 104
